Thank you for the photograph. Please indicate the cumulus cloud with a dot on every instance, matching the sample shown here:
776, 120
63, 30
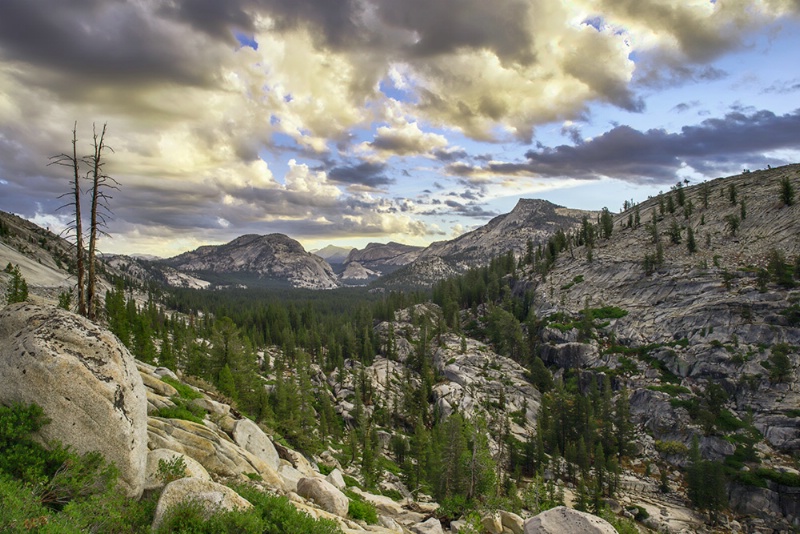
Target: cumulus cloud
191, 112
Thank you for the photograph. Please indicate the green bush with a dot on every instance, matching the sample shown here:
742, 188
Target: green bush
607, 312
279, 515
184, 391
171, 470
178, 412
57, 490
364, 511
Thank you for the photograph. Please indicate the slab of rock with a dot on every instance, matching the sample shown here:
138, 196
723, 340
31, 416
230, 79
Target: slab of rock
324, 494
431, 526
289, 475
213, 497
84, 379
153, 479
562, 519
251, 438
213, 450
157, 385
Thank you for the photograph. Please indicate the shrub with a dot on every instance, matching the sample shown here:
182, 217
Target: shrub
671, 447
279, 515
787, 191
184, 391
171, 470
363, 511
178, 412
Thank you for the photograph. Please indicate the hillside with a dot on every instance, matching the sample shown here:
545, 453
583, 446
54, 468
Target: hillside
612, 367
720, 319
531, 223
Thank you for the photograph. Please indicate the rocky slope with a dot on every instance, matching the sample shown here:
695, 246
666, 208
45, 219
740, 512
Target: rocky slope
257, 260
531, 220
698, 320
335, 256
124, 406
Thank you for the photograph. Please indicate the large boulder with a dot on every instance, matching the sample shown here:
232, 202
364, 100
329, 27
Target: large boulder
562, 519
324, 494
251, 438
213, 497
84, 379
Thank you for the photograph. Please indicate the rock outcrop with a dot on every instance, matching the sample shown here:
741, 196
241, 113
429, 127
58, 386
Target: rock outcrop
561, 519
85, 380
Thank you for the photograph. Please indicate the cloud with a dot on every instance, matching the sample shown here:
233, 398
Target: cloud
784, 87
191, 111
448, 26
470, 210
367, 174
653, 156
405, 140
657, 155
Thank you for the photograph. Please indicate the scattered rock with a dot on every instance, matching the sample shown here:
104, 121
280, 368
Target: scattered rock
335, 477
512, 522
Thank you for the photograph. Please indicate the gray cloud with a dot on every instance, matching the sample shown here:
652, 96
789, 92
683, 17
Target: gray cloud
784, 87
90, 41
365, 174
445, 26
656, 156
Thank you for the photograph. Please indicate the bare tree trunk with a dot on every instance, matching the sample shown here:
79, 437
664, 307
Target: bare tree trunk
74, 162
78, 224
97, 220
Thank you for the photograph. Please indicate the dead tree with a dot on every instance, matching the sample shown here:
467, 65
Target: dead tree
99, 209
72, 161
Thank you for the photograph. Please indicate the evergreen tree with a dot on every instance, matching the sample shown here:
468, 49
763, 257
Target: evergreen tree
17, 290
691, 245
787, 191
606, 223
675, 232
225, 383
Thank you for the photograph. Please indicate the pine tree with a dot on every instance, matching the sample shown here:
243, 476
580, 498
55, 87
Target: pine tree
225, 383
606, 223
787, 191
17, 290
691, 245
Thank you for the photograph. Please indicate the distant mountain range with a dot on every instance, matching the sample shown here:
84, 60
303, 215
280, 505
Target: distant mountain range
278, 260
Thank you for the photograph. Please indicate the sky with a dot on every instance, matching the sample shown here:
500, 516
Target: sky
354, 121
